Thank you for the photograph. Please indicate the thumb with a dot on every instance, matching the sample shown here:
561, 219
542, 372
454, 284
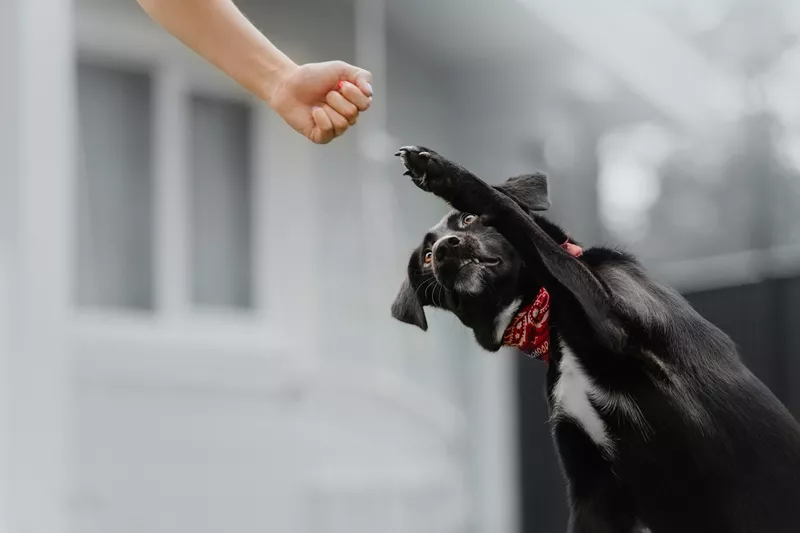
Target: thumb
363, 80
357, 76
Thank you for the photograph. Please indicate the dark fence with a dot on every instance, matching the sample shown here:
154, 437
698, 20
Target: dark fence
763, 319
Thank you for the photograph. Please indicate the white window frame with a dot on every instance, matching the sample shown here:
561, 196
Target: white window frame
117, 41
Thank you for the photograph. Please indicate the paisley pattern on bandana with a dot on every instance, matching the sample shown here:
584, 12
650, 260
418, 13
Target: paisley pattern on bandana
530, 329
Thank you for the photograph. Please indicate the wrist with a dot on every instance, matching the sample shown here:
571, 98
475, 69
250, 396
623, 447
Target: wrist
274, 76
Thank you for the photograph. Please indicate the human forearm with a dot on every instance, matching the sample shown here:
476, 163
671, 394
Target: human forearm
319, 100
220, 33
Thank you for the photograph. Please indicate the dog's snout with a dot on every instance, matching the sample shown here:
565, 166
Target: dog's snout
445, 246
453, 240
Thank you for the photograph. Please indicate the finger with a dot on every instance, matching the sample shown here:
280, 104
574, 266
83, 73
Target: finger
323, 131
354, 95
358, 76
340, 124
342, 106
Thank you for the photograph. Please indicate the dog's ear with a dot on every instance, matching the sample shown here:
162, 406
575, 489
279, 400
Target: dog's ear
528, 190
407, 307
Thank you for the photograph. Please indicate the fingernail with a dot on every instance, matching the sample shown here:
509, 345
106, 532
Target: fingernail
369, 88
340, 85
314, 108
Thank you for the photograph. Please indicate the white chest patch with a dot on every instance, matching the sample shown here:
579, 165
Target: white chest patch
504, 319
571, 396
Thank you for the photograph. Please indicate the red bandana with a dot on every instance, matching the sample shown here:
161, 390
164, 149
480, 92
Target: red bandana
530, 329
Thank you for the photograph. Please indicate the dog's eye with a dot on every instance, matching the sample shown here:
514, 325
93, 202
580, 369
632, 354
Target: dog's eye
468, 219
428, 257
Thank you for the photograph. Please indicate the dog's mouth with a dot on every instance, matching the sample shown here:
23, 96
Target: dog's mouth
483, 261
463, 271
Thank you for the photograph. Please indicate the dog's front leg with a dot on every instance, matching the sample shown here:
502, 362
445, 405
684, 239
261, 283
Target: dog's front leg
558, 269
448, 180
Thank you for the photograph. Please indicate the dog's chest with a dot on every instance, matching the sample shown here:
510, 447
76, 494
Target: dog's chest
576, 396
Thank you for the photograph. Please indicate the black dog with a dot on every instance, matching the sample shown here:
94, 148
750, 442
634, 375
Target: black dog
658, 423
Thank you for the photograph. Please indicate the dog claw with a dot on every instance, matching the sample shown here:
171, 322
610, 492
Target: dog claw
399, 153
407, 173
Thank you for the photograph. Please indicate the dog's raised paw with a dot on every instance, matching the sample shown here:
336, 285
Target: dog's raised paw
417, 161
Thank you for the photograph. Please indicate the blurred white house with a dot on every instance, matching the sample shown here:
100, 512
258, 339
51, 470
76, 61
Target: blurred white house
194, 300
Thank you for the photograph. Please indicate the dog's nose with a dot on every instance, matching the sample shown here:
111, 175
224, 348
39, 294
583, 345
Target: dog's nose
444, 246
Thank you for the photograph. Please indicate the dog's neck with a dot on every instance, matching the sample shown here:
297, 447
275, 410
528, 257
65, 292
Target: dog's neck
504, 319
527, 327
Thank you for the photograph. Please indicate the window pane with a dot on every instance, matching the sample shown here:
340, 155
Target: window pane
220, 182
115, 189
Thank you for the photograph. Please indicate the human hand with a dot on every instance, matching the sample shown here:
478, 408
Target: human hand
322, 100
